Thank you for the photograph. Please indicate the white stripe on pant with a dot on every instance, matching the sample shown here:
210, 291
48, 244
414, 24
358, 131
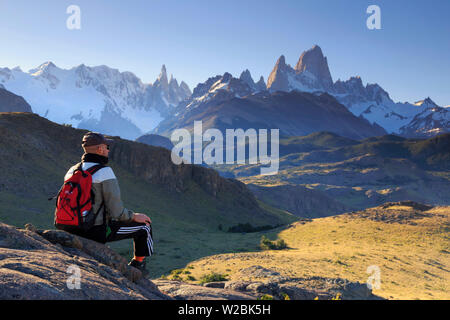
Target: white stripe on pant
128, 230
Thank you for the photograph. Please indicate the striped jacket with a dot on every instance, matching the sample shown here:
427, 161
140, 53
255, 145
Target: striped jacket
106, 189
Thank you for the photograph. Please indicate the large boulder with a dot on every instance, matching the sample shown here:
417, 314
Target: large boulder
36, 264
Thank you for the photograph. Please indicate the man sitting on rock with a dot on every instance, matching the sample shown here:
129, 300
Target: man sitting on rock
113, 221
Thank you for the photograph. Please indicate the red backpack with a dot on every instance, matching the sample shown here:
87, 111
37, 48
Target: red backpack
75, 200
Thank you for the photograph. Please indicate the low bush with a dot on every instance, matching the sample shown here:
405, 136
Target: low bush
213, 277
267, 244
248, 228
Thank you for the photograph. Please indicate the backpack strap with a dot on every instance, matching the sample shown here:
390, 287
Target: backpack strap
92, 170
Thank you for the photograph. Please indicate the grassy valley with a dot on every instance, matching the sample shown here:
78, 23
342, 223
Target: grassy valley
409, 245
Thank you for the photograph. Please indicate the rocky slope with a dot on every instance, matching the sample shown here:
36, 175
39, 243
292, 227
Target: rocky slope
299, 200
156, 140
35, 264
9, 102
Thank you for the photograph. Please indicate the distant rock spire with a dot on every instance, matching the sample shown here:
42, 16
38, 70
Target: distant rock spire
314, 62
261, 84
278, 78
163, 75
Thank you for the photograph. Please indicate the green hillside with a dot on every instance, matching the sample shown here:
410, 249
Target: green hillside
187, 204
356, 174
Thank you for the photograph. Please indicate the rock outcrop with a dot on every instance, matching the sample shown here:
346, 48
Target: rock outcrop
184, 291
256, 282
45, 264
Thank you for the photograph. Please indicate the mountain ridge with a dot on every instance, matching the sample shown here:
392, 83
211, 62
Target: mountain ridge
97, 98
372, 102
226, 102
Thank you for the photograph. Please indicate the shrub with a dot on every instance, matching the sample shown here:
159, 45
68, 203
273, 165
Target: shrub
266, 297
213, 277
285, 296
176, 274
267, 244
248, 228
338, 297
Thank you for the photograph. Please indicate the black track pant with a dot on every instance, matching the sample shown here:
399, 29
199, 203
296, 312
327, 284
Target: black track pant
139, 232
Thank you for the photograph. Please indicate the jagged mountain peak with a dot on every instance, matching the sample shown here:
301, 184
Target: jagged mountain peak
261, 84
220, 88
226, 77
162, 78
314, 62
247, 77
42, 68
371, 101
281, 60
310, 74
173, 82
278, 79
186, 89
427, 103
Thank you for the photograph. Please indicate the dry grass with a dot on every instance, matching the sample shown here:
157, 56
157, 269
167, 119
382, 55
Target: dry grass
413, 257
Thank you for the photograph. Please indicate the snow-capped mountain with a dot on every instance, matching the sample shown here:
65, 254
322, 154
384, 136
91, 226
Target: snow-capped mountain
433, 120
222, 88
312, 74
96, 98
256, 87
224, 102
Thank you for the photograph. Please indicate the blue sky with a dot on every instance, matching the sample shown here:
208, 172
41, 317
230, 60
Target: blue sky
196, 39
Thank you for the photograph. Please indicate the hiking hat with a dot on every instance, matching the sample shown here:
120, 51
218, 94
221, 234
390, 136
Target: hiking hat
94, 139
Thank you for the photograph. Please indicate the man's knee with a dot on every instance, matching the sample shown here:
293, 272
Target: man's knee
144, 232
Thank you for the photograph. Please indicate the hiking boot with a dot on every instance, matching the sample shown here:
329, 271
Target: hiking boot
140, 266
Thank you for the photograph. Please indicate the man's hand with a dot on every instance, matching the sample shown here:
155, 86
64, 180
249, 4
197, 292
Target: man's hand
141, 218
